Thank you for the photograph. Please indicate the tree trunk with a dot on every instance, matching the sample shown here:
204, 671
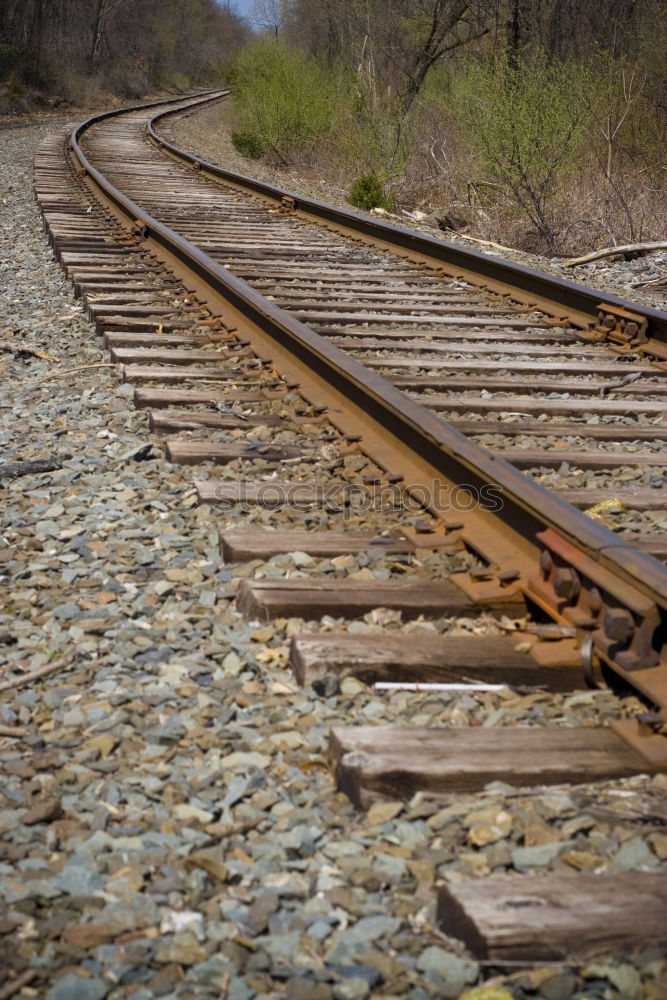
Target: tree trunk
98, 28
517, 33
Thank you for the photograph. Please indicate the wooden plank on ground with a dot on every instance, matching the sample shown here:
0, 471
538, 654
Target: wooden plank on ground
176, 373
178, 420
151, 339
639, 499
166, 356
273, 494
182, 452
522, 404
266, 599
472, 383
374, 762
264, 494
552, 458
555, 917
128, 324
175, 397
425, 658
537, 428
238, 546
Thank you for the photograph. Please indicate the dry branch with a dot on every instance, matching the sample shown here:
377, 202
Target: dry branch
612, 251
29, 467
73, 371
17, 984
476, 239
13, 347
34, 675
15, 732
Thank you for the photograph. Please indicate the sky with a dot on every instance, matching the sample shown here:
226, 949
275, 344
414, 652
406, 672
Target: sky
242, 6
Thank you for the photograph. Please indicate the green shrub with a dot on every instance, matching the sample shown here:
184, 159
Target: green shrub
367, 192
376, 135
247, 144
175, 81
16, 87
283, 100
526, 124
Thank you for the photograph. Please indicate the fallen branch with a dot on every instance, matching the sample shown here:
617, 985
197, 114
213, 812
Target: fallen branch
16, 732
660, 280
29, 467
73, 371
34, 675
613, 386
13, 347
17, 984
612, 251
476, 239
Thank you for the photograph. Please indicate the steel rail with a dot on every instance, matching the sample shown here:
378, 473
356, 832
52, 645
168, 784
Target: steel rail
560, 297
574, 568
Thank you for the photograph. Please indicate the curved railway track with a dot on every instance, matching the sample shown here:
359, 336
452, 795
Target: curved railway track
463, 408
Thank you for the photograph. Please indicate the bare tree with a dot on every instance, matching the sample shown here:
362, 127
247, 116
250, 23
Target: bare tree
103, 10
272, 15
403, 39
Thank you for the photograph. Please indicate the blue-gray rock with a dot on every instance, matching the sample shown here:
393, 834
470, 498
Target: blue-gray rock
169, 732
236, 789
369, 973
542, 854
78, 878
635, 854
372, 928
238, 989
321, 928
350, 943
75, 987
447, 972
212, 969
392, 869
280, 946
67, 612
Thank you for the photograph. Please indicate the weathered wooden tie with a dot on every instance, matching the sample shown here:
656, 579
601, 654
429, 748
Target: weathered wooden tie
426, 659
242, 545
266, 599
375, 762
556, 917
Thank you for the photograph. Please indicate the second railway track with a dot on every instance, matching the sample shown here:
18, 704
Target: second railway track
316, 358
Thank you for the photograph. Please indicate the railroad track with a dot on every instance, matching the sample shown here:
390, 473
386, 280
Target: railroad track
305, 357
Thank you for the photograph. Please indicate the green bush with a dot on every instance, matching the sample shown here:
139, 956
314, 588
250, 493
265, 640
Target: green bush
283, 100
175, 81
247, 144
526, 124
367, 193
376, 135
16, 87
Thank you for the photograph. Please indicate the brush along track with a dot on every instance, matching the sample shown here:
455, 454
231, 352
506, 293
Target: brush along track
220, 343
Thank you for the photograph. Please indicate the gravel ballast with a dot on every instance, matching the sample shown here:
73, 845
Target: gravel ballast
169, 824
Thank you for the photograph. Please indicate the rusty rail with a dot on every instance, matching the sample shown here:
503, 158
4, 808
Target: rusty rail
576, 570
